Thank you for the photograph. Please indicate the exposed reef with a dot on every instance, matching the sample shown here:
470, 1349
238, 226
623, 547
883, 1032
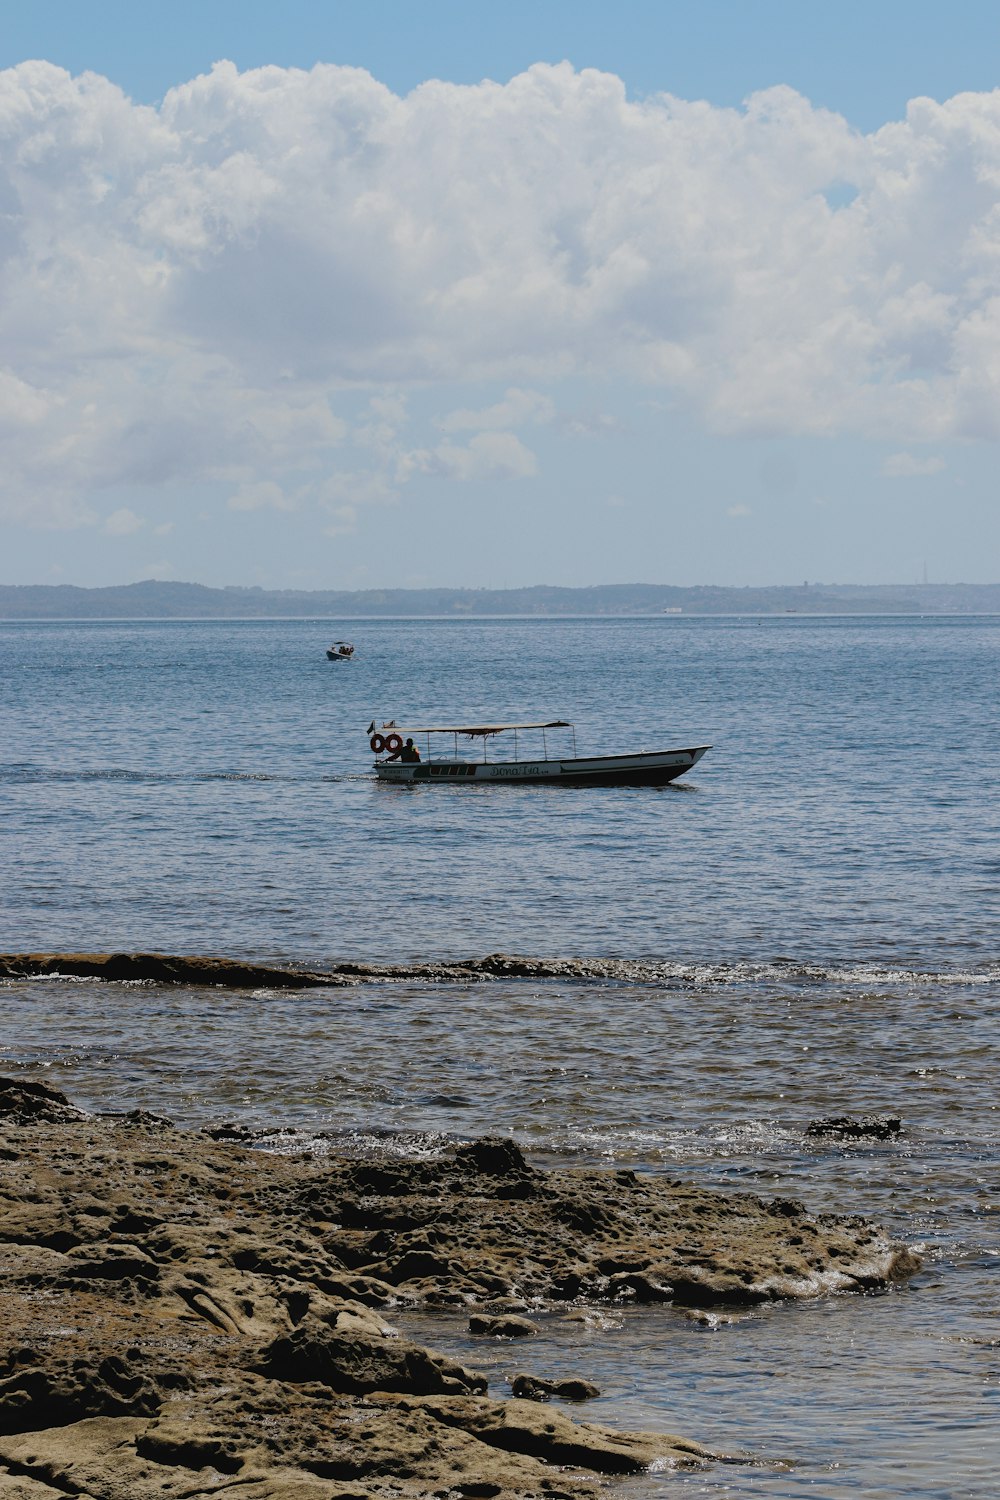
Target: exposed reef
165, 968
848, 1128
187, 1316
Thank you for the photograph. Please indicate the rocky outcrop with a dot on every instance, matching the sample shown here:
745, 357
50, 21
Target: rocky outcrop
158, 968
849, 1127
502, 1326
183, 1315
165, 968
481, 1224
537, 1388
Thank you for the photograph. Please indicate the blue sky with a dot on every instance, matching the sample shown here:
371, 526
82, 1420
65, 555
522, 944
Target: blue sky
863, 58
313, 328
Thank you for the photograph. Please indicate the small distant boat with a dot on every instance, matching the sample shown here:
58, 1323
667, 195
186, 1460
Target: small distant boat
402, 761
340, 651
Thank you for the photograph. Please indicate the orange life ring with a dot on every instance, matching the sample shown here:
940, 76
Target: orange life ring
377, 743
394, 744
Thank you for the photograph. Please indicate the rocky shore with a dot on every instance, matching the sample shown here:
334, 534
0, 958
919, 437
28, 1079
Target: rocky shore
226, 973
187, 1316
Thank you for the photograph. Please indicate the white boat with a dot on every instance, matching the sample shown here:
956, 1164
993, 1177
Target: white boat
397, 761
340, 651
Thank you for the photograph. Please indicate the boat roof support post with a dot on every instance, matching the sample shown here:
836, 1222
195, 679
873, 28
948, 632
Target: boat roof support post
545, 747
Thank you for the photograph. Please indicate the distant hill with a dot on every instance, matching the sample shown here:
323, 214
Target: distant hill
154, 600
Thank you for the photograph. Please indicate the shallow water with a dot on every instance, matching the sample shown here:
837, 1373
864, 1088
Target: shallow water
892, 1395
817, 904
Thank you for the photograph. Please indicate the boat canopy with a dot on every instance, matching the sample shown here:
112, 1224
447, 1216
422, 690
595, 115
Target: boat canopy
474, 730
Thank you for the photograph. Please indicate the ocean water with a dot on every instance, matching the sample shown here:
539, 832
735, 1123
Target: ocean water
807, 924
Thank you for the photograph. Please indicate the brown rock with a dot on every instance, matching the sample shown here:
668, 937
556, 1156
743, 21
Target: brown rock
23, 1101
179, 1313
521, 1427
351, 1360
506, 1326
534, 1388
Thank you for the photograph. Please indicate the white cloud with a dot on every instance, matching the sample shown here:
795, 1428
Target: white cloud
123, 522
739, 510
488, 455
379, 431
907, 466
345, 521
264, 495
355, 488
587, 424
21, 405
188, 291
517, 409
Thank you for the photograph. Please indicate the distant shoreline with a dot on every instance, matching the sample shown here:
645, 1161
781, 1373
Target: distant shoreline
158, 601
754, 614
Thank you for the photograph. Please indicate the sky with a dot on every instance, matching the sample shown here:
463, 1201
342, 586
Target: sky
411, 293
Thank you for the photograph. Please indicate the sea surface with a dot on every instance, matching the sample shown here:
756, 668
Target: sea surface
807, 925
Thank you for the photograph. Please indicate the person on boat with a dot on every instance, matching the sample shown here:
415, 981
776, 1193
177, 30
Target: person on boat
408, 753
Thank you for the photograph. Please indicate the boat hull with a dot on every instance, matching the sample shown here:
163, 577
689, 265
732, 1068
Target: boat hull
643, 768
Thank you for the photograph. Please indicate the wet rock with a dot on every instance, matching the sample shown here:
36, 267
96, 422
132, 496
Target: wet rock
140, 1119
158, 968
576, 1390
179, 1314
165, 968
505, 1326
493, 1157
229, 1131
587, 1235
534, 1388
521, 1427
713, 1320
647, 1285
867, 1127
23, 1101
